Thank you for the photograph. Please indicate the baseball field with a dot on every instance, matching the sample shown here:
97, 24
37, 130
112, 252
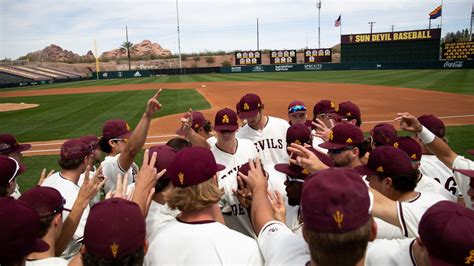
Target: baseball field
69, 110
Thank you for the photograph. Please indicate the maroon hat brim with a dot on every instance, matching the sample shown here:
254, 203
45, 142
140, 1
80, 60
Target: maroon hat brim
438, 262
285, 168
24, 147
365, 170
226, 127
219, 167
41, 245
126, 135
469, 173
247, 114
333, 146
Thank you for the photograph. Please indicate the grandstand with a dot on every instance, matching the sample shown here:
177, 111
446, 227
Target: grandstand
68, 74
9, 79
24, 74
17, 74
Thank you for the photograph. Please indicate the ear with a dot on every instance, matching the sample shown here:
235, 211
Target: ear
355, 152
388, 182
353, 121
145, 246
373, 230
57, 219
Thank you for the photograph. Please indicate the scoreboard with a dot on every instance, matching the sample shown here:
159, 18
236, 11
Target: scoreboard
416, 45
248, 58
317, 55
458, 51
283, 57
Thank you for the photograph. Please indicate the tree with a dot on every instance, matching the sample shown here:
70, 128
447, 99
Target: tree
458, 36
130, 49
210, 60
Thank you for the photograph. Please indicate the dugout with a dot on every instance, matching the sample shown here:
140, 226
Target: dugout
416, 45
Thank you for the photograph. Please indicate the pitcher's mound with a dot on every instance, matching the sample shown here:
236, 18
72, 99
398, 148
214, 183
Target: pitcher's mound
5, 107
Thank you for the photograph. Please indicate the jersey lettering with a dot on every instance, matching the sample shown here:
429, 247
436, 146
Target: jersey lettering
263, 144
449, 187
237, 209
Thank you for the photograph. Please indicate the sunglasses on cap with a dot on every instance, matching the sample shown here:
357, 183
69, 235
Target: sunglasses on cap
296, 108
17, 168
120, 139
57, 209
341, 119
290, 179
338, 151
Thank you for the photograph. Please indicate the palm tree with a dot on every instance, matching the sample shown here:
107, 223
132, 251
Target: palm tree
129, 47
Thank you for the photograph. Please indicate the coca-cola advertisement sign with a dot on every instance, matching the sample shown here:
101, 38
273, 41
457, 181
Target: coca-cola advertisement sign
453, 64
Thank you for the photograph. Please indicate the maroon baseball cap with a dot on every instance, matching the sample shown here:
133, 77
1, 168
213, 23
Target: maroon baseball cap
198, 121
433, 124
164, 156
383, 134
19, 230
115, 228
249, 105
447, 231
226, 119
192, 166
335, 200
46, 201
349, 110
386, 160
74, 149
296, 106
471, 152
296, 171
9, 144
343, 135
9, 169
91, 140
298, 133
245, 168
324, 107
116, 128
410, 146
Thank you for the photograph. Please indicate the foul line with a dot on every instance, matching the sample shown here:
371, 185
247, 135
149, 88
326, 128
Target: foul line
50, 150
441, 117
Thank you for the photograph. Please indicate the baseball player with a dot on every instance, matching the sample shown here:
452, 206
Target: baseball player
441, 150
73, 161
10, 147
94, 157
231, 152
335, 205
430, 165
121, 145
322, 111
297, 113
196, 193
114, 234
19, 230
390, 172
382, 134
197, 129
9, 170
425, 183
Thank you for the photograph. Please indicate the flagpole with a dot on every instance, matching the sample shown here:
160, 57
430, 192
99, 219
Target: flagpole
340, 27
441, 16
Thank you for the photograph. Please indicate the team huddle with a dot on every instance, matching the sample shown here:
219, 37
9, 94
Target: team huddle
264, 191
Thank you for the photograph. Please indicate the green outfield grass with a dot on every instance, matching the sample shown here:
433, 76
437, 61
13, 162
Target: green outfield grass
74, 115
460, 139
455, 81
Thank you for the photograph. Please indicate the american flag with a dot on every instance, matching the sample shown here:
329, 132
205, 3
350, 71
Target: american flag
337, 23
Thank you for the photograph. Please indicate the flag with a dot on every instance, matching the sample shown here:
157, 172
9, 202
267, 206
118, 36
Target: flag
337, 23
436, 13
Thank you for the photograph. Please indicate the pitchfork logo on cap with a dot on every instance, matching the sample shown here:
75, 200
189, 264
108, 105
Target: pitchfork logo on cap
333, 106
331, 135
181, 177
396, 145
338, 218
298, 142
246, 106
114, 248
128, 127
470, 258
225, 119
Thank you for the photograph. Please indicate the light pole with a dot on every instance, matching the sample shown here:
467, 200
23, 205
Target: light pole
179, 39
318, 5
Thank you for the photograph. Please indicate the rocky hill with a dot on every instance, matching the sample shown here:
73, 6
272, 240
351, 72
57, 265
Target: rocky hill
145, 48
55, 53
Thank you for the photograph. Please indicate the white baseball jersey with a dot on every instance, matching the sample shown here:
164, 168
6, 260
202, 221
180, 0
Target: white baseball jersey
158, 216
387, 231
463, 181
51, 261
236, 216
96, 198
281, 246
16, 193
293, 219
269, 142
390, 252
316, 142
201, 243
69, 191
429, 184
111, 168
410, 213
432, 167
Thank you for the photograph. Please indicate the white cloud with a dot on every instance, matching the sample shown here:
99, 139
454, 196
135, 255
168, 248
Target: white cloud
30, 25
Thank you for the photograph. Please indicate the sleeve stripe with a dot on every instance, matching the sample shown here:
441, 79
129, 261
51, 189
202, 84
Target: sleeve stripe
402, 220
411, 252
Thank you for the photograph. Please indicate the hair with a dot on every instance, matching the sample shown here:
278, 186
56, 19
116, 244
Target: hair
364, 147
358, 121
45, 224
403, 182
4, 190
195, 198
178, 143
70, 164
104, 145
14, 262
207, 126
338, 249
161, 184
134, 258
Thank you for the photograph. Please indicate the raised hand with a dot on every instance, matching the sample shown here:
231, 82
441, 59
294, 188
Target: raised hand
322, 131
409, 122
278, 205
243, 194
256, 178
90, 187
153, 105
305, 158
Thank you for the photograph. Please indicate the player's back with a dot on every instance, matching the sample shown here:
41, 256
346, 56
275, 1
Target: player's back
204, 243
432, 167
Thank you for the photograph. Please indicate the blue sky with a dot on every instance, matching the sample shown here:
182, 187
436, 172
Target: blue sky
31, 25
